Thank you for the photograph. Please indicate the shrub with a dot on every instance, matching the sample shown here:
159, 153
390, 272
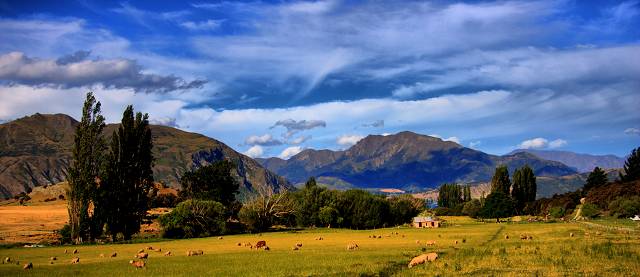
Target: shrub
65, 234
557, 212
590, 210
625, 206
194, 218
472, 208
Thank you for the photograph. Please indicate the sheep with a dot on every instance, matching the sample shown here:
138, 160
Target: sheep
431, 242
239, 244
422, 259
571, 235
299, 244
379, 237
248, 244
195, 253
506, 236
167, 254
456, 242
101, 255
417, 241
114, 254
141, 251
75, 260
137, 264
523, 237
66, 251
7, 260
530, 237
149, 247
27, 266
141, 256
75, 251
295, 248
319, 238
261, 244
219, 237
352, 246
159, 250
53, 258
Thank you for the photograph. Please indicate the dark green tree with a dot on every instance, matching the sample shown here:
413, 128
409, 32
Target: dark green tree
449, 195
128, 177
596, 178
500, 181
472, 208
466, 197
519, 191
530, 185
87, 157
631, 170
194, 218
212, 182
497, 205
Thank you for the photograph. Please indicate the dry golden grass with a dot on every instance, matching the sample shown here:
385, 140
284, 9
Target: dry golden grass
32, 224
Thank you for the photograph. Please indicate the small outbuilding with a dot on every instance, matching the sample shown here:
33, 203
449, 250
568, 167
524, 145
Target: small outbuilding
425, 222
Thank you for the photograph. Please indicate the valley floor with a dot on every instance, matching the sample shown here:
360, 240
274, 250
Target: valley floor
594, 250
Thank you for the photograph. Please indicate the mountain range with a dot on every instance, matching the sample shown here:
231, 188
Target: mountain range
36, 150
406, 161
581, 162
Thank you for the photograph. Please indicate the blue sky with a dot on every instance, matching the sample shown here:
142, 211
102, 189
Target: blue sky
271, 78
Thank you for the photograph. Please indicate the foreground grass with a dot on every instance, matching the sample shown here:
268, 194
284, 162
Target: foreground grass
485, 252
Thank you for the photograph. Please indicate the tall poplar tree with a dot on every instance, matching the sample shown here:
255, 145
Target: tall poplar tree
88, 148
530, 185
631, 170
128, 176
500, 181
519, 190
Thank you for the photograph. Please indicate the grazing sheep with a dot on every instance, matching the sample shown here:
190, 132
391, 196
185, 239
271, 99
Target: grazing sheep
219, 237
168, 253
431, 242
456, 242
141, 251
422, 259
101, 255
75, 251
299, 244
319, 238
352, 246
6, 260
114, 254
266, 248
53, 258
379, 237
149, 247
248, 244
261, 244
66, 251
506, 236
417, 241
530, 238
571, 235
523, 237
142, 256
28, 266
75, 260
137, 264
195, 253
239, 244
295, 248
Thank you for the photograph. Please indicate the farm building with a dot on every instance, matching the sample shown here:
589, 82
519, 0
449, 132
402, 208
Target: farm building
425, 222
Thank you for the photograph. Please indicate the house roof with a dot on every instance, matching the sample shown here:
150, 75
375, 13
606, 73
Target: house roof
423, 219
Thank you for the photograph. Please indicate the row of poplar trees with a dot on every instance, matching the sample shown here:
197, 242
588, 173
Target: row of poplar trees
521, 191
109, 184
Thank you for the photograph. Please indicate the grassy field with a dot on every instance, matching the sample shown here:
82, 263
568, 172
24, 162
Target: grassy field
552, 252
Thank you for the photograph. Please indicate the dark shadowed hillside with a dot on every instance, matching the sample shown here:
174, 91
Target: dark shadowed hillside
36, 150
407, 161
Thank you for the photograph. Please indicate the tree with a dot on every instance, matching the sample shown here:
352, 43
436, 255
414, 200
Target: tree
524, 188
472, 208
87, 157
596, 178
128, 178
212, 182
449, 195
467, 193
266, 208
530, 185
194, 218
631, 170
500, 181
404, 207
497, 205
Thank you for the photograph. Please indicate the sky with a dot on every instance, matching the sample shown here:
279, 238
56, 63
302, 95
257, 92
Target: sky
272, 78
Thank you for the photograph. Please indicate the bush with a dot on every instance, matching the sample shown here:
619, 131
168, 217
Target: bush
194, 218
557, 212
625, 206
472, 208
65, 234
590, 210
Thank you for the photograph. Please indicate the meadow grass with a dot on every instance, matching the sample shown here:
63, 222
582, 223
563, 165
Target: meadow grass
485, 252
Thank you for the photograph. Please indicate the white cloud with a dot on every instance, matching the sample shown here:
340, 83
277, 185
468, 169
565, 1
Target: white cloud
299, 140
255, 151
473, 144
264, 140
541, 143
206, 25
348, 140
453, 139
632, 131
290, 151
557, 143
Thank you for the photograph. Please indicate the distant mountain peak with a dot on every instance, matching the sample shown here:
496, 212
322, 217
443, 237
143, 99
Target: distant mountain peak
579, 161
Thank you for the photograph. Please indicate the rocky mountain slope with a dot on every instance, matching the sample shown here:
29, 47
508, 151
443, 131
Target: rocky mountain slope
407, 161
581, 162
36, 150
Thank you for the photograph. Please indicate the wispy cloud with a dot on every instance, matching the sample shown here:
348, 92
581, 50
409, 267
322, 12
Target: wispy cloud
348, 140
